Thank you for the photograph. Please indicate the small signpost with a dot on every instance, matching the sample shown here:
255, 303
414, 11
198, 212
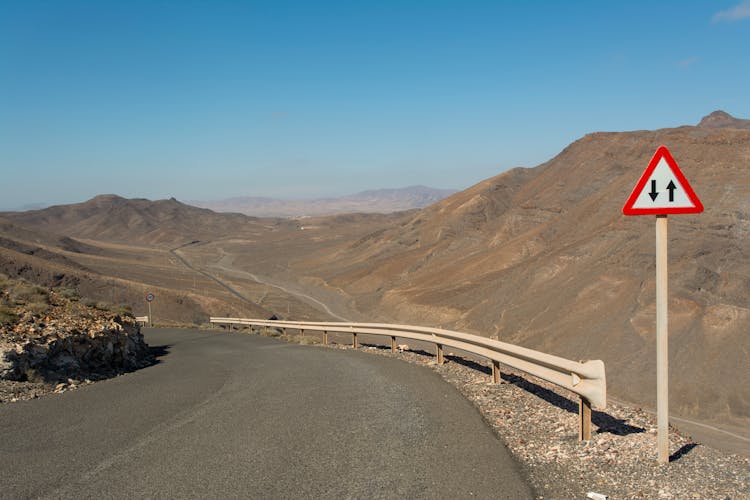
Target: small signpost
662, 190
149, 299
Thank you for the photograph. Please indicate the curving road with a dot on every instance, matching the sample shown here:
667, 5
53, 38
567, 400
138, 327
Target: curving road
295, 293
187, 264
239, 416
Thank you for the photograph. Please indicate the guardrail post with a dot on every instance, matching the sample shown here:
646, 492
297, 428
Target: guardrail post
584, 417
230, 327
393, 343
440, 358
301, 332
354, 340
495, 372
325, 337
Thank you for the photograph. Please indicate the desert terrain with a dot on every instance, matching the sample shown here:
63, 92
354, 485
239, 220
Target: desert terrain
540, 257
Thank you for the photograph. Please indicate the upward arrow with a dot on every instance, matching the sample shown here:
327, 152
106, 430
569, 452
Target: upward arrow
671, 187
653, 194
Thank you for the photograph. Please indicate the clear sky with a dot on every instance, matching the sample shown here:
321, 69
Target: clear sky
204, 100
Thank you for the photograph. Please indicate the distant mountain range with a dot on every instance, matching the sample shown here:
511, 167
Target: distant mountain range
374, 201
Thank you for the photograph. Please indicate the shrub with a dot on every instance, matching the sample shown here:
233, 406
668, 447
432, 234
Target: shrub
123, 310
29, 294
33, 375
69, 293
7, 316
270, 332
38, 308
98, 304
305, 340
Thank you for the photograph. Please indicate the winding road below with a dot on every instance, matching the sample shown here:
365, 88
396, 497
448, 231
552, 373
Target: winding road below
238, 416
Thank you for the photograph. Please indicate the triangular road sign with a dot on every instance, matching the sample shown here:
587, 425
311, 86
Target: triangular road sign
662, 189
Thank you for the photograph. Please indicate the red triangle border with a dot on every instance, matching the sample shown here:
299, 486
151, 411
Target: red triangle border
662, 152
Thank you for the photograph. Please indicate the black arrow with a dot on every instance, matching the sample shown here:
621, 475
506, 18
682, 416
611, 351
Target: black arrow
670, 187
653, 194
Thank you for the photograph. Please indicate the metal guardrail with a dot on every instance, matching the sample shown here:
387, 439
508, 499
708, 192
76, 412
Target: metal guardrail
586, 379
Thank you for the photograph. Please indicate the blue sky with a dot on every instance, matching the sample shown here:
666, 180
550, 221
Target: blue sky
210, 99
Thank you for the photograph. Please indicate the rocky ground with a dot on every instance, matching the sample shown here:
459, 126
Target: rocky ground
50, 341
538, 423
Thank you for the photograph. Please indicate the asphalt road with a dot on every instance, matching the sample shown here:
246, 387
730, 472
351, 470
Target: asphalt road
240, 416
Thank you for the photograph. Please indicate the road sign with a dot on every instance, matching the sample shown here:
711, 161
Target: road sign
149, 299
662, 189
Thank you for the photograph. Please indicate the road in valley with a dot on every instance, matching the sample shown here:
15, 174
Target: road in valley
239, 416
302, 296
187, 264
295, 293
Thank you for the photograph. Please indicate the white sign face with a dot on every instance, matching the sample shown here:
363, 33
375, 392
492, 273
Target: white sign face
662, 189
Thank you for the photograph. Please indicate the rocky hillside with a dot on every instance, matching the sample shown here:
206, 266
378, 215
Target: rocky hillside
49, 337
544, 258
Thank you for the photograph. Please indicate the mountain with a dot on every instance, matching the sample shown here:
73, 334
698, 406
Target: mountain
544, 258
113, 218
375, 201
721, 119
115, 250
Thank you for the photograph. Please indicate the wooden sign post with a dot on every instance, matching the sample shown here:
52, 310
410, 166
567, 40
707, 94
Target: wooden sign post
149, 299
662, 190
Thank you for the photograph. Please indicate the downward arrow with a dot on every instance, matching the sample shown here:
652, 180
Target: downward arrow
653, 194
670, 187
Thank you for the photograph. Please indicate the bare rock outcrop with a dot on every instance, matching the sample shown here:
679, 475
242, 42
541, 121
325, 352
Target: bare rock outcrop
46, 336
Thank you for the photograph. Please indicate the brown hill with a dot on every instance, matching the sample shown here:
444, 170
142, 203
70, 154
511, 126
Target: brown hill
112, 218
116, 250
722, 119
544, 258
